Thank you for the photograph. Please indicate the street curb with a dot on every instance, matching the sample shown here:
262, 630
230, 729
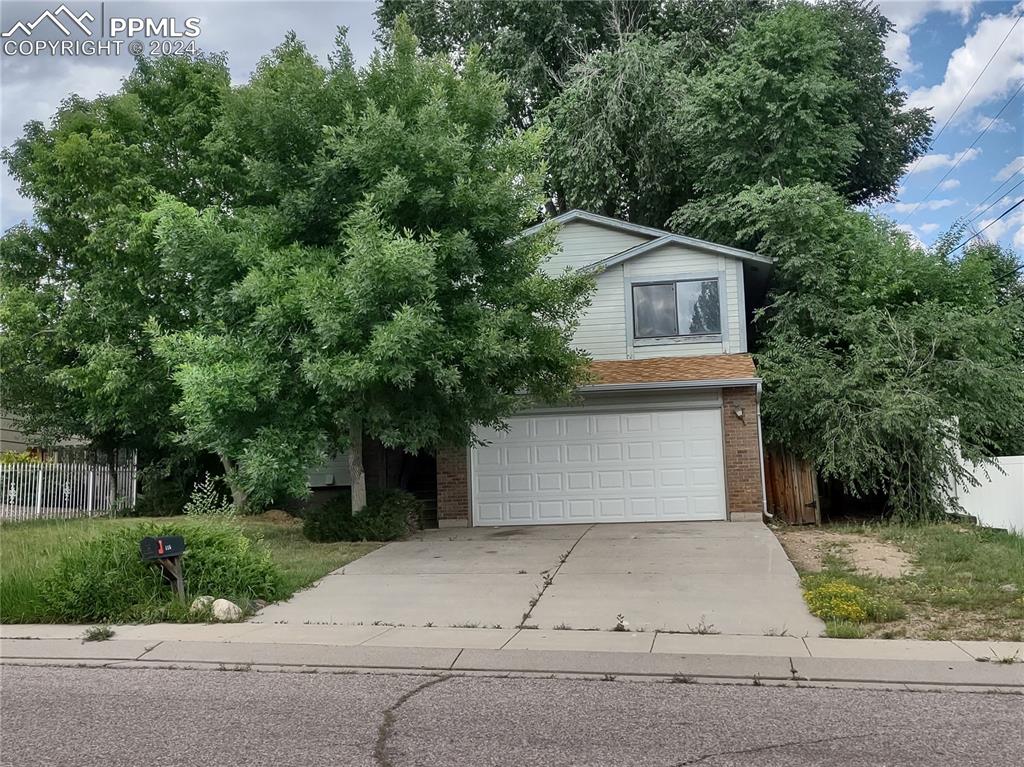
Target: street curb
735, 669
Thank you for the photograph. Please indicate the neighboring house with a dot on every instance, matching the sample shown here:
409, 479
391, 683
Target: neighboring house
670, 427
12, 439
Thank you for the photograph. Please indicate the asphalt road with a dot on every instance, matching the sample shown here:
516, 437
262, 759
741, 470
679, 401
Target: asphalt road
111, 717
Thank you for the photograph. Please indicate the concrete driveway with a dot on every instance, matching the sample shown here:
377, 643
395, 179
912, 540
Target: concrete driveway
714, 577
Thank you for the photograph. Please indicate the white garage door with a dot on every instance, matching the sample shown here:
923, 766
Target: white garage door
602, 467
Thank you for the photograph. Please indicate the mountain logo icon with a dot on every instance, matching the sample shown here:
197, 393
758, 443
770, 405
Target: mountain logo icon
62, 18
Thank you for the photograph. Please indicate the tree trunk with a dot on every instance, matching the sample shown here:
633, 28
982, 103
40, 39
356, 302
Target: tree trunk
239, 495
355, 465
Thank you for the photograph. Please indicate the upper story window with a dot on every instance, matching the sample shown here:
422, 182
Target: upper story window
677, 308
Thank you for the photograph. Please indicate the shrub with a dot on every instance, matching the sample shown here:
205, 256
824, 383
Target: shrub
208, 500
104, 579
389, 514
838, 601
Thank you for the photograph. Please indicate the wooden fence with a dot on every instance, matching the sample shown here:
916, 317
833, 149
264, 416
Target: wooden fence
791, 485
64, 487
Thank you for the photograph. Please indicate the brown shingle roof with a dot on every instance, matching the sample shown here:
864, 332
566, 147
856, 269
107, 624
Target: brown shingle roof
710, 367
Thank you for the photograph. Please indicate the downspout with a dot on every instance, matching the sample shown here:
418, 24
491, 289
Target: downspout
760, 453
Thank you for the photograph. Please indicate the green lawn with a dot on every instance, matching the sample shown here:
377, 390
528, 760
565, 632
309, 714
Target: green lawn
29, 549
966, 582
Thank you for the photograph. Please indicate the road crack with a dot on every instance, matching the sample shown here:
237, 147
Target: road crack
384, 732
771, 747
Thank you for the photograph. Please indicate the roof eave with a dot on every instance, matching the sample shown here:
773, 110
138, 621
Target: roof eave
709, 383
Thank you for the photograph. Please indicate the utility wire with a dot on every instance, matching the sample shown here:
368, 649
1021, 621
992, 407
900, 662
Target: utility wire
968, 93
963, 154
997, 192
994, 202
980, 231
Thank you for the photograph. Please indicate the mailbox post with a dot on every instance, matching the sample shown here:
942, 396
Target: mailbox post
166, 552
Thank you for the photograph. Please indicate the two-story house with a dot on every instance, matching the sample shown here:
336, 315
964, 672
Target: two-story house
670, 427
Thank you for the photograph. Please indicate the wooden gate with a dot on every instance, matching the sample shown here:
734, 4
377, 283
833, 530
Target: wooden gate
792, 488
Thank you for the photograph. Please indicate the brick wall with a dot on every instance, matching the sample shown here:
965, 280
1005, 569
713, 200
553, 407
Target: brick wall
743, 488
453, 487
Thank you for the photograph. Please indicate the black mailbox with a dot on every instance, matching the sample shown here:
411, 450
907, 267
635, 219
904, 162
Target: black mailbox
165, 552
165, 547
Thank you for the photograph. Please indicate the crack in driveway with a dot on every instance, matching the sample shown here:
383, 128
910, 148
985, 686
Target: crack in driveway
380, 748
549, 578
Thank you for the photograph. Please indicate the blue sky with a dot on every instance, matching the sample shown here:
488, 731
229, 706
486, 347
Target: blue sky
941, 45
942, 48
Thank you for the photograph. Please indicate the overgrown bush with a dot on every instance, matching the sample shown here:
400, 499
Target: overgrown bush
104, 579
388, 514
209, 500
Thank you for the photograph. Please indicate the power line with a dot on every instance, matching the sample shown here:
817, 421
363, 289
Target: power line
968, 93
994, 203
963, 154
980, 231
997, 192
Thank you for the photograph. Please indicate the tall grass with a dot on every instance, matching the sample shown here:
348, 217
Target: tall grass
29, 551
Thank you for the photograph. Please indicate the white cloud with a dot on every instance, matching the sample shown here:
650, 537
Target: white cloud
933, 161
1014, 165
1012, 226
906, 207
989, 124
950, 183
928, 228
907, 15
966, 64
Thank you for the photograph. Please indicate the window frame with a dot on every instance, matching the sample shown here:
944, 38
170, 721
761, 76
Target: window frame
678, 336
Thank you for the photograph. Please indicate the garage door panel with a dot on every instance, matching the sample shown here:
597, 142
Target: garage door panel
592, 467
577, 426
643, 508
580, 480
640, 451
551, 510
518, 456
611, 509
672, 448
546, 428
549, 454
639, 480
519, 482
549, 482
579, 454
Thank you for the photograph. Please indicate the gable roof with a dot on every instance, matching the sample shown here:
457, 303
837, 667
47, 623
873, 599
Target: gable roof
656, 238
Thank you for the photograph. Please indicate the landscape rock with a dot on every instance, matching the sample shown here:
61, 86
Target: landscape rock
201, 604
1009, 588
226, 610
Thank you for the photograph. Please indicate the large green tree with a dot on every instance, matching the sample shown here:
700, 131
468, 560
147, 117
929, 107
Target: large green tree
883, 363
79, 282
620, 82
385, 291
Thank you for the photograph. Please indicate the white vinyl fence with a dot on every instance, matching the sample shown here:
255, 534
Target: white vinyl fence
998, 501
65, 488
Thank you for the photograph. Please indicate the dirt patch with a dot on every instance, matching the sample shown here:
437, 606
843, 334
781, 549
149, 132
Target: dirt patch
870, 556
278, 517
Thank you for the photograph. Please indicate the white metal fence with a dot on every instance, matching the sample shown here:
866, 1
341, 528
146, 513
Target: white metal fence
65, 488
998, 501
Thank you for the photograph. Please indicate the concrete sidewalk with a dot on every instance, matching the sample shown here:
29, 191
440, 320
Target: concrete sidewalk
655, 655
